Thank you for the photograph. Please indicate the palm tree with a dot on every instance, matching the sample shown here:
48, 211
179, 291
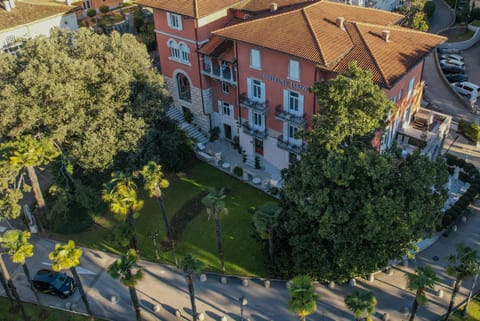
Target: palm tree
67, 256
127, 271
461, 266
19, 248
302, 297
121, 193
191, 265
215, 204
154, 183
11, 286
426, 278
5, 288
265, 219
362, 304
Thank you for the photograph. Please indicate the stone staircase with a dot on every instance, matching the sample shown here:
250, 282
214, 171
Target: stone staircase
192, 131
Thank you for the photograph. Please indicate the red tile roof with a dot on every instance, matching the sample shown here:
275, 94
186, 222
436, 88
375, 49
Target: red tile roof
260, 5
187, 8
311, 33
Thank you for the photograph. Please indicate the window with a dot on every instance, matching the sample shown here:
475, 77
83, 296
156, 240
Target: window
226, 109
293, 101
12, 45
410, 87
174, 21
179, 52
258, 120
259, 146
174, 51
256, 90
225, 88
255, 59
400, 94
86, 4
292, 132
183, 86
184, 53
294, 70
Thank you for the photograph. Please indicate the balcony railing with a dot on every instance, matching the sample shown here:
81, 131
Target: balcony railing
252, 104
223, 73
288, 146
287, 116
254, 132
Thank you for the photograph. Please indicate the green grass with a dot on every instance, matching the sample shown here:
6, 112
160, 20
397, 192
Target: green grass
475, 23
243, 254
34, 312
473, 313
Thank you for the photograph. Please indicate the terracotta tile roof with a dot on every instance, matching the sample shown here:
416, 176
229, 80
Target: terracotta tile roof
313, 35
218, 47
260, 5
27, 11
186, 7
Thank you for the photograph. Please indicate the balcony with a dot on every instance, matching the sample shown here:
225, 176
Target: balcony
286, 116
252, 104
254, 132
222, 72
288, 146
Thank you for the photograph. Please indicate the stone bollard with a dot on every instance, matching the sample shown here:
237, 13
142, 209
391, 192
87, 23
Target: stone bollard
440, 293
223, 318
464, 219
224, 280
201, 316
454, 228
371, 277
203, 277
156, 307
288, 284
266, 283
331, 285
113, 299
386, 317
245, 282
352, 282
178, 313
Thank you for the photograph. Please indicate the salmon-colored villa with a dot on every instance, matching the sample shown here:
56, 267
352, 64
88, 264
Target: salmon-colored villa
246, 67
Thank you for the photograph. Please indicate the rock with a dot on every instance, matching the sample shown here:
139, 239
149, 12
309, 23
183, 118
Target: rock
203, 277
266, 283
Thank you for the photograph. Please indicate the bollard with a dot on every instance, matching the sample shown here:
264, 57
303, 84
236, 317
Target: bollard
223, 280
266, 283
245, 282
113, 298
203, 277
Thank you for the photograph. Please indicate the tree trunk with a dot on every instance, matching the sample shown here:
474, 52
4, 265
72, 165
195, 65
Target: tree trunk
12, 287
136, 305
29, 278
37, 191
5, 287
82, 291
464, 312
133, 240
218, 233
414, 308
456, 287
167, 228
191, 291
270, 243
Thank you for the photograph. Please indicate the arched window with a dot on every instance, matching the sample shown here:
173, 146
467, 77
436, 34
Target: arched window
174, 51
183, 85
184, 52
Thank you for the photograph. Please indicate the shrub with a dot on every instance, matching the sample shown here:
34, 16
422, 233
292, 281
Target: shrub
188, 115
464, 177
274, 190
238, 171
91, 13
470, 130
257, 162
104, 9
429, 8
475, 14
451, 159
214, 133
244, 156
138, 22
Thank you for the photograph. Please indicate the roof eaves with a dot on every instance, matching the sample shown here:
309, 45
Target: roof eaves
314, 35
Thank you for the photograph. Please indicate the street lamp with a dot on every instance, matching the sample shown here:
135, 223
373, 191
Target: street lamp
243, 302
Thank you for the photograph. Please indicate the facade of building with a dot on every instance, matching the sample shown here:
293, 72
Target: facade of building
21, 19
246, 66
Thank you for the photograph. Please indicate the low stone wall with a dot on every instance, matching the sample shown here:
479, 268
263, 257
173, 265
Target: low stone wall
463, 45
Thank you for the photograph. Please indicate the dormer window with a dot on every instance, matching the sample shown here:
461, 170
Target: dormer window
174, 21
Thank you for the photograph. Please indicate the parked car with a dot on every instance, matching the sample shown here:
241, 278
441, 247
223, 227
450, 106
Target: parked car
467, 89
54, 283
452, 69
449, 62
451, 57
456, 77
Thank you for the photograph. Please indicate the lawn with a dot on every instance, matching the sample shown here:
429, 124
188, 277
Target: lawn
34, 312
473, 313
243, 254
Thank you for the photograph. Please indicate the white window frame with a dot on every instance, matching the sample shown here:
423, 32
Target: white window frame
179, 52
288, 96
255, 59
225, 88
256, 90
174, 21
184, 53
294, 70
258, 120
227, 109
411, 85
400, 94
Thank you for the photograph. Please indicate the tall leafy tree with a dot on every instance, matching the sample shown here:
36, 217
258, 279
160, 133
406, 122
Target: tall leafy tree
265, 220
362, 304
461, 266
214, 201
415, 17
67, 256
154, 183
424, 278
352, 105
128, 272
121, 194
302, 297
190, 265
18, 246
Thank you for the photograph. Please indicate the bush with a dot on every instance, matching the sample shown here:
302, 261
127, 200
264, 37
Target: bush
214, 133
429, 9
104, 9
451, 159
470, 130
257, 162
188, 116
91, 13
274, 190
238, 171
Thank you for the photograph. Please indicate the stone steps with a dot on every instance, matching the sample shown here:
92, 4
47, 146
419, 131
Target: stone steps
192, 131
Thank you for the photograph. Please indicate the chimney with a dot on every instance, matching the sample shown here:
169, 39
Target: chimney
273, 7
339, 22
6, 5
386, 35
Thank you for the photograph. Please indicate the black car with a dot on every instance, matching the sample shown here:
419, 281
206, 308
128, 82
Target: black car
456, 77
452, 69
54, 283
